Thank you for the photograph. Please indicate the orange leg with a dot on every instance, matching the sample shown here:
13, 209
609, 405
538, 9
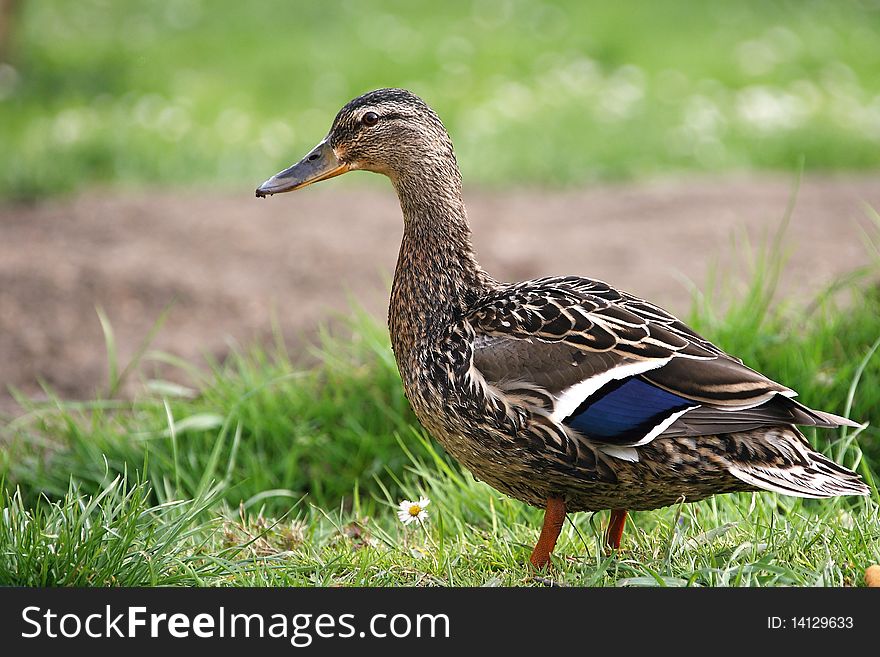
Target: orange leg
615, 528
554, 516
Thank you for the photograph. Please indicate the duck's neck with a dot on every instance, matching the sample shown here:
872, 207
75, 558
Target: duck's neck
437, 275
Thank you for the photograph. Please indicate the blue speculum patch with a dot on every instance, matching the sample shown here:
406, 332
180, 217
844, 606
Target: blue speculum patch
625, 411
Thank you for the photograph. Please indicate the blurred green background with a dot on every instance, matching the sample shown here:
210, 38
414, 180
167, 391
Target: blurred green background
563, 92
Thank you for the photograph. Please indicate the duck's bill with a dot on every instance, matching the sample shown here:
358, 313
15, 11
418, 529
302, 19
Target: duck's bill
321, 163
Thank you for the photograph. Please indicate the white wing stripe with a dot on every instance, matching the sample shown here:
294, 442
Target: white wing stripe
573, 396
665, 424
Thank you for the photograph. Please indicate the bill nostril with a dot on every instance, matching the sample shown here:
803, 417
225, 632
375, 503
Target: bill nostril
313, 157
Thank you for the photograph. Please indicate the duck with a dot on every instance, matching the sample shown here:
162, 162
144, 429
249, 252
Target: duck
561, 392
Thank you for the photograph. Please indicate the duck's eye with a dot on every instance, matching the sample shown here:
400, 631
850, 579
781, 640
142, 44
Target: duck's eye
370, 118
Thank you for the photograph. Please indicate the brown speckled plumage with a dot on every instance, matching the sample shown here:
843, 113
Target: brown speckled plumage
512, 379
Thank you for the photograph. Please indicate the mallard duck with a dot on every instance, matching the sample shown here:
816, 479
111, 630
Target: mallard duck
564, 392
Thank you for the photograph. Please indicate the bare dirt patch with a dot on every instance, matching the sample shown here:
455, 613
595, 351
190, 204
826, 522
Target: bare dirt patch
230, 261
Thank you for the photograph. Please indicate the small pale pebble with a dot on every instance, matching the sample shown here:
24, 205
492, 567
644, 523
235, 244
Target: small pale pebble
872, 576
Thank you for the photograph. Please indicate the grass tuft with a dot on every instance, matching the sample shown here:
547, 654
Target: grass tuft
113, 538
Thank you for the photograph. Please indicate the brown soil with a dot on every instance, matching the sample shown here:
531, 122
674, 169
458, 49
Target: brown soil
230, 261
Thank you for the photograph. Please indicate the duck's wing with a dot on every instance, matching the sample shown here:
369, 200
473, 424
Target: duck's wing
620, 370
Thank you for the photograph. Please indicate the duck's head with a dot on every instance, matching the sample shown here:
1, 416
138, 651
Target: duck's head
388, 131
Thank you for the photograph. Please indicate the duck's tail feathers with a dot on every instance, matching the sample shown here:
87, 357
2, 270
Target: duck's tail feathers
810, 417
798, 470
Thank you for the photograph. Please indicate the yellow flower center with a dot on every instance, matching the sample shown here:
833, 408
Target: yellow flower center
415, 510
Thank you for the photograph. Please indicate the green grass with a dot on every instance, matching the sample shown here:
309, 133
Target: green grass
561, 92
114, 538
260, 472
257, 423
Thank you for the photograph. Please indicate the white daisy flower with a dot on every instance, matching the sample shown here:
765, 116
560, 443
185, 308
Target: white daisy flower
413, 511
